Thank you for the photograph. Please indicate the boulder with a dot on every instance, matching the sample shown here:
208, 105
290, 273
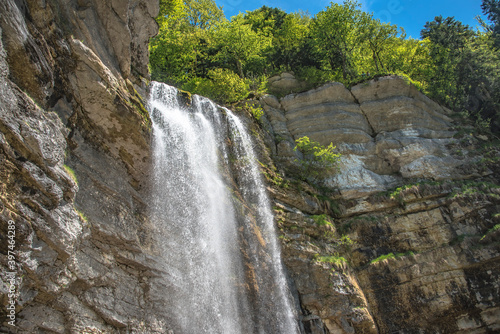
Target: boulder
284, 83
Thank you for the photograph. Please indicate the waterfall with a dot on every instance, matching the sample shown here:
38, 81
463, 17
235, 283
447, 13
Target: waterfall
222, 265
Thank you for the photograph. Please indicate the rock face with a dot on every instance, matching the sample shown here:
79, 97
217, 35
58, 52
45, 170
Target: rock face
402, 239
69, 75
383, 128
284, 83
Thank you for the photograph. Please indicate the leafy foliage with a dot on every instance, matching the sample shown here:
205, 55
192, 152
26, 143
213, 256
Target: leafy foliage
337, 31
491, 8
71, 173
491, 230
448, 49
240, 47
203, 13
169, 11
391, 256
317, 160
332, 259
197, 47
256, 111
322, 220
220, 85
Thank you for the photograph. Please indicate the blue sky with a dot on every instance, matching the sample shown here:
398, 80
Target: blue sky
409, 14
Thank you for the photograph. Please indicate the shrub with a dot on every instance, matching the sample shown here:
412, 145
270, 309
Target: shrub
314, 77
322, 220
491, 230
333, 259
256, 111
391, 256
317, 160
222, 85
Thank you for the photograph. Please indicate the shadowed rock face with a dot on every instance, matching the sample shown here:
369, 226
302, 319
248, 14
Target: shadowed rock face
69, 76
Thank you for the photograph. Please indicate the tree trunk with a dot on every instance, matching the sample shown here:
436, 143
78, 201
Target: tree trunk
344, 66
240, 68
375, 61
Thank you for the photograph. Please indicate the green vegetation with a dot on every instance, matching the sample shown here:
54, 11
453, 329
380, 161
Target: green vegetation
345, 241
491, 8
325, 220
317, 160
273, 177
330, 233
333, 259
220, 85
491, 230
469, 188
256, 111
71, 173
81, 215
391, 256
398, 194
322, 220
331, 205
199, 50
455, 189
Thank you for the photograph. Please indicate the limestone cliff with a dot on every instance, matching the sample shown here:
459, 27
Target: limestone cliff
401, 240
74, 156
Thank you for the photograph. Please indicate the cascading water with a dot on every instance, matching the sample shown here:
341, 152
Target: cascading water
222, 265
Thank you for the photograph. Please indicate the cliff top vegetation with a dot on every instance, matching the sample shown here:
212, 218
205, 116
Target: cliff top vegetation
199, 50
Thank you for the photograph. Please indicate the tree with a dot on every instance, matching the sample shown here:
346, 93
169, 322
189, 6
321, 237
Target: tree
198, 49
491, 8
410, 57
449, 39
203, 14
448, 32
265, 20
240, 48
317, 159
481, 76
465, 71
379, 36
169, 10
288, 41
337, 32
182, 48
173, 56
221, 85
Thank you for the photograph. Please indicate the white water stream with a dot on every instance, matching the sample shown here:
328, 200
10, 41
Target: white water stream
222, 259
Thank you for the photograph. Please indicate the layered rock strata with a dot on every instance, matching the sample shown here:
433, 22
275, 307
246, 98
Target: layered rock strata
385, 129
402, 239
74, 159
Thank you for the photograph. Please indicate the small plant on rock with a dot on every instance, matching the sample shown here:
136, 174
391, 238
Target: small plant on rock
71, 173
318, 159
257, 112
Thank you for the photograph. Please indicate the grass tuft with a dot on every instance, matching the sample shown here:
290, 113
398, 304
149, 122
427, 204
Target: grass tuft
71, 173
